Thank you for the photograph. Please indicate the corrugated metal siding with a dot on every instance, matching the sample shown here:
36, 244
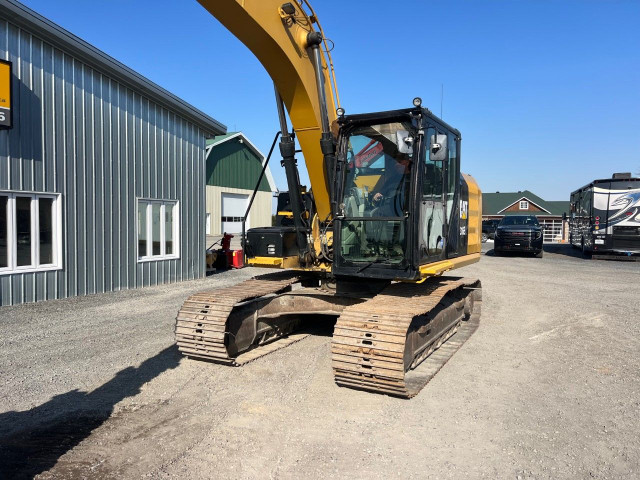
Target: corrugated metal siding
259, 216
101, 145
232, 164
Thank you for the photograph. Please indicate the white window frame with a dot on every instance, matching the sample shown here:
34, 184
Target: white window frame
164, 204
12, 227
524, 205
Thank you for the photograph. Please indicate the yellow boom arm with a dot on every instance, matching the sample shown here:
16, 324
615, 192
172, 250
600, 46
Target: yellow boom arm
278, 38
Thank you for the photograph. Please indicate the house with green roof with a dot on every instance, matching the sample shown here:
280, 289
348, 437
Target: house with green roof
233, 166
548, 212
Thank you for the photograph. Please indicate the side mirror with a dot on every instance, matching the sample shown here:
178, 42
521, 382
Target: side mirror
438, 151
404, 141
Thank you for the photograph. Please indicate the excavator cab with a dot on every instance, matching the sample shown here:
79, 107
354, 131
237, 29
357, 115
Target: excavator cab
397, 179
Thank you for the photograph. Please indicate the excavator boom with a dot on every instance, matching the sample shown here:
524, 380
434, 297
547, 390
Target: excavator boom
277, 34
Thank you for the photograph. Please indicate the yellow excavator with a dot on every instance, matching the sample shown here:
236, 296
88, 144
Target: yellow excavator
388, 213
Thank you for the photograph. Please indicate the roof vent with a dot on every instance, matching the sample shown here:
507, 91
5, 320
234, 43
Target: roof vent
617, 176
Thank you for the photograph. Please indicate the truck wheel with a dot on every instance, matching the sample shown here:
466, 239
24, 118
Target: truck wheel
539, 254
585, 252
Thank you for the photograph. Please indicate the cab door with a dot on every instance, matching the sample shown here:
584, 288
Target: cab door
432, 205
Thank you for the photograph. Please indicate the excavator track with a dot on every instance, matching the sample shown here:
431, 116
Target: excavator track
397, 341
203, 327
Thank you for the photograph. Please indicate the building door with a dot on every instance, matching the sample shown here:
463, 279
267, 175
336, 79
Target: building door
233, 208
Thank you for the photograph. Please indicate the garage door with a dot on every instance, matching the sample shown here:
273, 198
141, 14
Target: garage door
233, 209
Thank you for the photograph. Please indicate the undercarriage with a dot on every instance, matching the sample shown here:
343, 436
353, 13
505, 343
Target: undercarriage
389, 338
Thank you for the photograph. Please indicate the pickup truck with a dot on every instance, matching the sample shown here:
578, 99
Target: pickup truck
519, 233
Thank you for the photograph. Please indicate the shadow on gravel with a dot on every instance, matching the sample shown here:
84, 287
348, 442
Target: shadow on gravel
549, 248
563, 249
32, 441
492, 253
568, 251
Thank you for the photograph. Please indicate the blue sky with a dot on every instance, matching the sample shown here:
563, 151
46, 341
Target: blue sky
546, 93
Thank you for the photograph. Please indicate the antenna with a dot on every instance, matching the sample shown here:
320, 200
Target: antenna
441, 97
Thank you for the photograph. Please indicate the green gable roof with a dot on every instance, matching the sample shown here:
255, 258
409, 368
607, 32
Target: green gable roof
234, 162
494, 203
220, 138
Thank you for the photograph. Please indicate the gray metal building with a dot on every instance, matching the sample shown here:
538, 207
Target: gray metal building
102, 177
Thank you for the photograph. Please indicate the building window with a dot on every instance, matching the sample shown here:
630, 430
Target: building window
158, 234
524, 205
30, 232
231, 219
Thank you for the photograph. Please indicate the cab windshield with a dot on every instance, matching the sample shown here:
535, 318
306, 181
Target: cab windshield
376, 194
377, 179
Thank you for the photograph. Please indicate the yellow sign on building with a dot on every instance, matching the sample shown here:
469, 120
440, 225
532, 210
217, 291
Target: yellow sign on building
5, 94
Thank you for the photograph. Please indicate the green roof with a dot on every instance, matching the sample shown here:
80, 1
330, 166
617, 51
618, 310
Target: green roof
234, 161
562, 206
494, 203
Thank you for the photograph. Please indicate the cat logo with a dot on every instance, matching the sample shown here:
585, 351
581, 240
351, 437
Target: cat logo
464, 209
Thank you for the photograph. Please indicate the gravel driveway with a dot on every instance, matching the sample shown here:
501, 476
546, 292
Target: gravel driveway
548, 387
